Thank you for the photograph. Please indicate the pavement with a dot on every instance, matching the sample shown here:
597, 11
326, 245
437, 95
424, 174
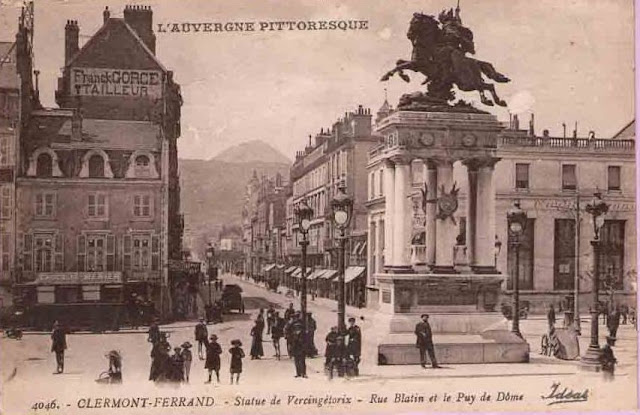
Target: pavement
27, 364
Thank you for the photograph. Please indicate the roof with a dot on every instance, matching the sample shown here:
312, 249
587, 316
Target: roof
115, 134
91, 52
628, 132
8, 68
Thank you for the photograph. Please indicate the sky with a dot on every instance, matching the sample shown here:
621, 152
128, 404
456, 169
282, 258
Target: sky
568, 61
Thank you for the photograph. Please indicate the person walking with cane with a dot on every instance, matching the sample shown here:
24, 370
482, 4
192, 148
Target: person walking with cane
424, 342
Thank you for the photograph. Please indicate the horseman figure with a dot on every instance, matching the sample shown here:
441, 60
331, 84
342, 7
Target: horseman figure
439, 52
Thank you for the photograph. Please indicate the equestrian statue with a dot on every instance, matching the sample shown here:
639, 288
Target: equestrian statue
439, 53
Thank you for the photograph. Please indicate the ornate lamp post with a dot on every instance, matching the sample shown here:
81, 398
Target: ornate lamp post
597, 209
497, 247
517, 221
304, 214
210, 253
342, 207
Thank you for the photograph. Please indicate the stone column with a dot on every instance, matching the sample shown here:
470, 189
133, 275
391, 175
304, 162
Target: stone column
389, 196
486, 214
472, 210
446, 230
402, 215
431, 181
372, 254
380, 243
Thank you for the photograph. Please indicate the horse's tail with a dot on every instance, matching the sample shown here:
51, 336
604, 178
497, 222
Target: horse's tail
491, 72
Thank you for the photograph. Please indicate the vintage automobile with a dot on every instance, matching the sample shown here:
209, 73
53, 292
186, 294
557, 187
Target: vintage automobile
232, 298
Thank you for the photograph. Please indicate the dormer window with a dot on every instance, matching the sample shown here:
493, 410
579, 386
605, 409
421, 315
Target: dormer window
44, 166
143, 166
96, 166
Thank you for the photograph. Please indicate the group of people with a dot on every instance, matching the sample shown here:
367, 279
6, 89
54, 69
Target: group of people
166, 367
210, 350
343, 350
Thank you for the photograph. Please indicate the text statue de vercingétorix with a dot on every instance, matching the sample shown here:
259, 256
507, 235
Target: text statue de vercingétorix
439, 52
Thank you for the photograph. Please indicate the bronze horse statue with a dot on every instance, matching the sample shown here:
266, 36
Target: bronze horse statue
439, 53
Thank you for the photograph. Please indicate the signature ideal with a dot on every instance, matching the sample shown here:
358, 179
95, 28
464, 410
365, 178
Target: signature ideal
562, 394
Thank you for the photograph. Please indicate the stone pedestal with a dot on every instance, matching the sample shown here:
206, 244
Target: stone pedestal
461, 301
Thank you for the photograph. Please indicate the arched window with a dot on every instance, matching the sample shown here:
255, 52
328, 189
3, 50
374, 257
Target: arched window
143, 166
96, 166
44, 166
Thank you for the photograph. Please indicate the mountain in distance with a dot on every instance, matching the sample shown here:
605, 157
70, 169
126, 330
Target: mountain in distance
252, 151
212, 191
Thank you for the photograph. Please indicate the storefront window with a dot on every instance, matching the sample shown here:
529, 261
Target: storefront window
67, 294
564, 254
526, 258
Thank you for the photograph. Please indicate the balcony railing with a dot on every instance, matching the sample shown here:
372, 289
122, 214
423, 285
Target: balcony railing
593, 144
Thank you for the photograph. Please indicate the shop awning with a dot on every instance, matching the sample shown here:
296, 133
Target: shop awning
290, 270
315, 274
329, 274
280, 266
297, 273
352, 273
269, 267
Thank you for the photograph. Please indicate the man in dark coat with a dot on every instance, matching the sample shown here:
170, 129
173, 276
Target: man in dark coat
608, 359
298, 349
154, 332
289, 312
201, 334
270, 318
312, 326
424, 342
277, 331
613, 322
354, 344
59, 345
551, 316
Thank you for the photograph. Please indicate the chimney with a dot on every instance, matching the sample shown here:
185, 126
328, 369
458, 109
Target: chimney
531, 126
564, 130
105, 15
140, 19
76, 126
516, 122
575, 130
71, 32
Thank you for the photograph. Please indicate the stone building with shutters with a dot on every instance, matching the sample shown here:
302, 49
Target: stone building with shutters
551, 177
98, 198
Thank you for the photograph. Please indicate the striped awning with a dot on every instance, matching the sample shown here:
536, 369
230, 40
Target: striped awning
290, 270
269, 267
329, 274
315, 274
297, 273
352, 273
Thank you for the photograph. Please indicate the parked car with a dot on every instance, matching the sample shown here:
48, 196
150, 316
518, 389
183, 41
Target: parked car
232, 298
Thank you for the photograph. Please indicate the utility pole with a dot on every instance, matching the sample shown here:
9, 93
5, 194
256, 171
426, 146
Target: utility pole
576, 283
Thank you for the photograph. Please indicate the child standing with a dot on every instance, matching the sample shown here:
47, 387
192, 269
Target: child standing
213, 357
237, 354
187, 357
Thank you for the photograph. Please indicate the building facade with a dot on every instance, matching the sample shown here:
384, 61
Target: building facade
98, 199
553, 178
337, 157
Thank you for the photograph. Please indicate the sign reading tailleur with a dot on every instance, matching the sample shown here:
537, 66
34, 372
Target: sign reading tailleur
116, 82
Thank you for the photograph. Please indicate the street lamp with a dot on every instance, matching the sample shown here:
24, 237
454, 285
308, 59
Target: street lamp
342, 207
210, 253
517, 222
497, 247
304, 214
597, 209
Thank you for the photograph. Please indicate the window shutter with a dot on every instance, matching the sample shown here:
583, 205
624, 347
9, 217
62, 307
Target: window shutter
27, 252
126, 251
111, 253
81, 252
155, 253
59, 253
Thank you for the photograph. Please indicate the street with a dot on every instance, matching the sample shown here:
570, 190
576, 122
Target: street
27, 365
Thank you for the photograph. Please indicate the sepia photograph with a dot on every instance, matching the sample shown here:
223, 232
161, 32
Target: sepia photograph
330, 207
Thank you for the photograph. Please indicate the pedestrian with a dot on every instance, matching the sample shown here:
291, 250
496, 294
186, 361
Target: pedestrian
298, 348
270, 318
330, 341
176, 368
608, 359
59, 345
312, 351
159, 358
625, 313
288, 334
613, 322
354, 345
551, 316
424, 342
256, 340
187, 357
338, 357
212, 364
289, 312
201, 334
277, 331
153, 335
237, 354
133, 312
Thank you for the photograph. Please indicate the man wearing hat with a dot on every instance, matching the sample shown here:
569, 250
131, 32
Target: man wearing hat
212, 364
424, 342
608, 359
201, 334
58, 345
354, 345
187, 357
